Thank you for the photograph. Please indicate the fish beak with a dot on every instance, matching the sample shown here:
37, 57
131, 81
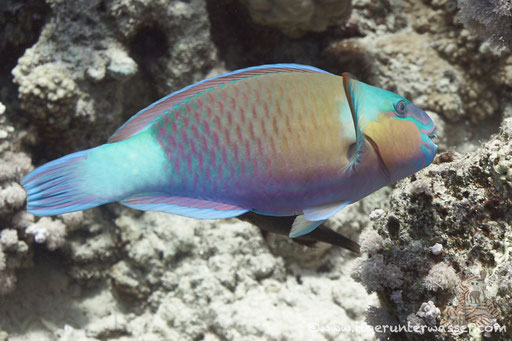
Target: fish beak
433, 134
422, 117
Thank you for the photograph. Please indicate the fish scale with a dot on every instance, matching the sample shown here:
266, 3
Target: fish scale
278, 140
292, 148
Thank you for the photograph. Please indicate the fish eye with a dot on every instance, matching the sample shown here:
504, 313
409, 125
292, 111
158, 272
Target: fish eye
400, 108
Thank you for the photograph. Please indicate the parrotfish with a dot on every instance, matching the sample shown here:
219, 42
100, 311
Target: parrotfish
281, 140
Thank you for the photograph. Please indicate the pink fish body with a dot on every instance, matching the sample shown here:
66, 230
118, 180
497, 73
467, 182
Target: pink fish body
277, 140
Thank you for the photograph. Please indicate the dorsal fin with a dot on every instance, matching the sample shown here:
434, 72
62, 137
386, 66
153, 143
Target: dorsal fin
144, 117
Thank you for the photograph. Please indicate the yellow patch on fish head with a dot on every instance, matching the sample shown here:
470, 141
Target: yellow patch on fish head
398, 143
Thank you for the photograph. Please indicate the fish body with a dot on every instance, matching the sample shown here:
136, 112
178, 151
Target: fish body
277, 140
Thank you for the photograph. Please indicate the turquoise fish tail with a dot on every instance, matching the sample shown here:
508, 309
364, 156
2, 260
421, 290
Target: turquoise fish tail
93, 177
55, 187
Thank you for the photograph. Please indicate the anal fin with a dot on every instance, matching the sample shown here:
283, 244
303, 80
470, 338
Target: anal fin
184, 206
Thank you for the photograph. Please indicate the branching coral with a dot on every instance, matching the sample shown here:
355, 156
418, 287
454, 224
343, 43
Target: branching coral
8, 238
49, 91
51, 232
376, 274
5, 129
441, 277
18, 228
8, 242
13, 252
13, 196
370, 241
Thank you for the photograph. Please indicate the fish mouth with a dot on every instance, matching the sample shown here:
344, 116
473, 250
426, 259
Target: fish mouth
427, 125
431, 133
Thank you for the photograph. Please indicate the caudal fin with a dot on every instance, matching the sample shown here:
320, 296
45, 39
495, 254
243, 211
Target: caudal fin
58, 187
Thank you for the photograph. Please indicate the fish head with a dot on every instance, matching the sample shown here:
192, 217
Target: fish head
399, 131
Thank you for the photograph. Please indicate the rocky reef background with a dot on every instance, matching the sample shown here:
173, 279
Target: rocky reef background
436, 247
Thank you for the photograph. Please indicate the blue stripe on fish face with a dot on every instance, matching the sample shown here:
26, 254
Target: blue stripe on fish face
428, 151
422, 120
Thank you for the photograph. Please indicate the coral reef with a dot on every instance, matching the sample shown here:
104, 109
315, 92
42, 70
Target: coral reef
429, 313
6, 129
14, 253
463, 203
52, 233
18, 229
178, 278
490, 19
295, 18
70, 89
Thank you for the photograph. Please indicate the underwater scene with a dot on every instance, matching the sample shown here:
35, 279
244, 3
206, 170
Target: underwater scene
286, 170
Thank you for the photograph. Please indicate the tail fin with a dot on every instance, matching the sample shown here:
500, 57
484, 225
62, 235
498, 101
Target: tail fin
58, 187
